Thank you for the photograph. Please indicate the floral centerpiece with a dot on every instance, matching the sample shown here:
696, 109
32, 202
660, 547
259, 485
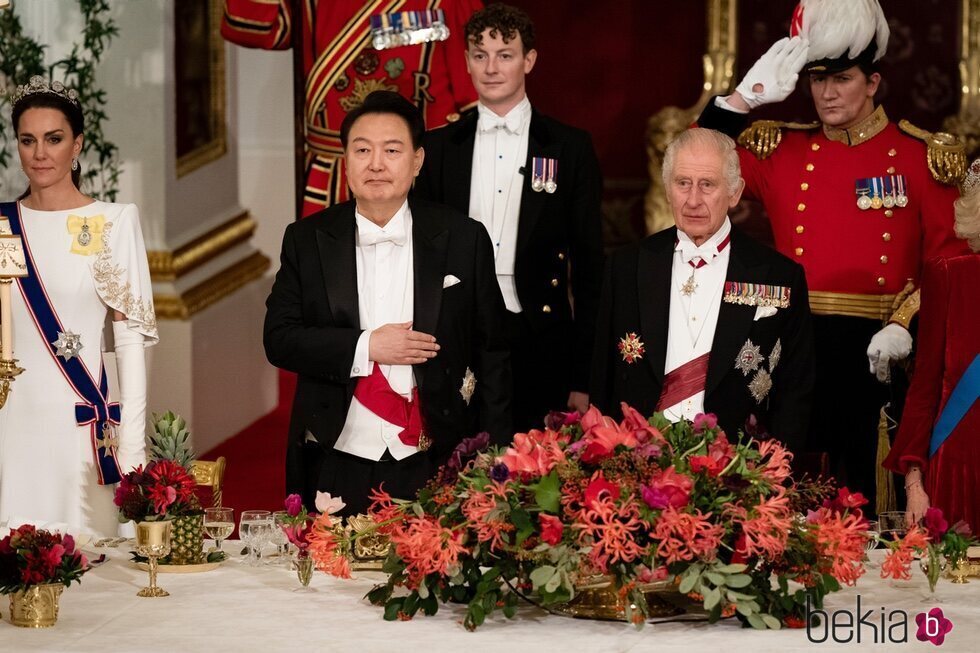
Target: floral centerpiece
35, 567
934, 541
166, 489
631, 502
298, 525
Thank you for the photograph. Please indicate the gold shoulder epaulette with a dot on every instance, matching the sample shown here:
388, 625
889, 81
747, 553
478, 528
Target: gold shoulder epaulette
946, 154
763, 136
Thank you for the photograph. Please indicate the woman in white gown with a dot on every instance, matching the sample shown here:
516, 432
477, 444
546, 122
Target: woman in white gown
63, 440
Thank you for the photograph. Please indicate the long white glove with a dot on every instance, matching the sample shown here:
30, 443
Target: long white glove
890, 345
775, 72
131, 366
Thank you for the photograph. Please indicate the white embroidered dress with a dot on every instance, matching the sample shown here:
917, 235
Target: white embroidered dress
47, 466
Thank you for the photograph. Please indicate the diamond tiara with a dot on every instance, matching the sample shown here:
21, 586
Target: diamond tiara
972, 176
38, 84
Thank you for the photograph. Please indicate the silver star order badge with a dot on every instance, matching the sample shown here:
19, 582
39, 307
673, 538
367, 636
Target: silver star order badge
469, 386
749, 358
760, 385
689, 286
69, 344
777, 351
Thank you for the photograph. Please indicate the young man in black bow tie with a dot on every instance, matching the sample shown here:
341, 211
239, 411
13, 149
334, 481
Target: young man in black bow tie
700, 318
535, 185
389, 311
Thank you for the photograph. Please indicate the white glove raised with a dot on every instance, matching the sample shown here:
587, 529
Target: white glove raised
890, 345
773, 77
131, 367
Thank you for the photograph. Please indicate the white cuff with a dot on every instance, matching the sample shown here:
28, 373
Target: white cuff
722, 103
361, 365
131, 367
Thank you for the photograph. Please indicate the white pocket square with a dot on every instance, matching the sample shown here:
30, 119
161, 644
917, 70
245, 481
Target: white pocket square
764, 311
449, 281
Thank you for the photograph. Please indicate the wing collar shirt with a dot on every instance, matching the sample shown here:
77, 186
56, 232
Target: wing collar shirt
385, 294
694, 316
499, 152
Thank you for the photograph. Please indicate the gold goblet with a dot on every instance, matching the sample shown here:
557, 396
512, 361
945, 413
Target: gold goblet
152, 542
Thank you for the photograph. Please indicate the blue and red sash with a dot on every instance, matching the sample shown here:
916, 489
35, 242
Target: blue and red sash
94, 409
966, 392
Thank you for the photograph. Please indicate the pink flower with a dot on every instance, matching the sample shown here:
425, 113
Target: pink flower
639, 425
777, 468
601, 442
533, 454
845, 500
703, 422
328, 504
686, 536
668, 488
646, 575
936, 525
962, 528
612, 531
294, 504
551, 528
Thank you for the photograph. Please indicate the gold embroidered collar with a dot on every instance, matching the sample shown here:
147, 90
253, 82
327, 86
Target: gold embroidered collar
861, 132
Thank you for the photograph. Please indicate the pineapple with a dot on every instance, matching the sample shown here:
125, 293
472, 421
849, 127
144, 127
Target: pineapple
169, 441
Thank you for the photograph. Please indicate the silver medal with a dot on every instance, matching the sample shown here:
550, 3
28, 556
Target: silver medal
550, 186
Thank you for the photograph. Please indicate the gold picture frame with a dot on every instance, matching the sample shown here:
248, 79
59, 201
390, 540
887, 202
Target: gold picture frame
199, 72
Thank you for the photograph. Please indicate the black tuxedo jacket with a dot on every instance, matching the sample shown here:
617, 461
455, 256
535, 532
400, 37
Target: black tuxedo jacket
636, 298
554, 229
312, 326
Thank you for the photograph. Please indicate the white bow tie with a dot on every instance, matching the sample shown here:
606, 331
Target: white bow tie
490, 122
395, 235
690, 251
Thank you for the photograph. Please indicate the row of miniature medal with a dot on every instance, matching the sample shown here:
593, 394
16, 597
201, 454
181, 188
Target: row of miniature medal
544, 174
408, 28
882, 192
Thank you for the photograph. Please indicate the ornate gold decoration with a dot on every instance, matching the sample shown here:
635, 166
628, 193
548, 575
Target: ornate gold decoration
946, 155
876, 307
906, 305
598, 598
168, 266
153, 541
662, 127
370, 547
217, 146
966, 123
862, 132
115, 291
210, 474
362, 89
37, 606
206, 293
9, 370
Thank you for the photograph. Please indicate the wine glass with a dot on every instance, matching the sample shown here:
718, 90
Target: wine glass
218, 524
872, 544
891, 525
261, 533
280, 518
248, 520
152, 542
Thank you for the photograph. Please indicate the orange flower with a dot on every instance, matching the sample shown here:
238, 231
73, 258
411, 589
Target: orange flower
777, 468
426, 548
764, 532
898, 560
330, 550
612, 530
686, 536
840, 540
534, 453
486, 519
383, 510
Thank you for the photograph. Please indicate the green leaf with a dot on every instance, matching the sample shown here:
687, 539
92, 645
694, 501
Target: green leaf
547, 492
711, 598
553, 583
688, 583
715, 578
430, 605
542, 575
379, 595
392, 608
771, 621
733, 568
739, 580
756, 622
423, 590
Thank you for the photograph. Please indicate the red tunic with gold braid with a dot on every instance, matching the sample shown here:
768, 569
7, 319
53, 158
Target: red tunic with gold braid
856, 260
342, 68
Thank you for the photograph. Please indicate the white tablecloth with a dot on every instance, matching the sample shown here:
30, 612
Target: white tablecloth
241, 608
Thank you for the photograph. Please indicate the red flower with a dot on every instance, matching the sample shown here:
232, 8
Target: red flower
598, 487
294, 504
936, 525
668, 488
845, 500
551, 528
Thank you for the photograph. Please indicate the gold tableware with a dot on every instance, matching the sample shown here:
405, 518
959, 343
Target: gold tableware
37, 606
152, 542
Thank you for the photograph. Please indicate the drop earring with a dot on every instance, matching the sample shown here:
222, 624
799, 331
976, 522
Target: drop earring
74, 163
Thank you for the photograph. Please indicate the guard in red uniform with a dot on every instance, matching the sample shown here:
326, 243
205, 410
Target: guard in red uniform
354, 47
858, 200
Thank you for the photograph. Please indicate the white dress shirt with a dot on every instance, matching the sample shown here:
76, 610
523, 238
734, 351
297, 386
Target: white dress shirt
496, 184
385, 294
693, 317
